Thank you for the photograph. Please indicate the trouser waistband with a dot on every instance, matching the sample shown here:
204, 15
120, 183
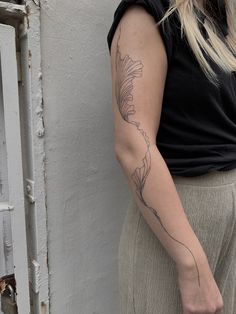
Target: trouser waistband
213, 177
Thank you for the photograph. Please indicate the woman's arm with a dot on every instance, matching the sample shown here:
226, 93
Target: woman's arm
139, 67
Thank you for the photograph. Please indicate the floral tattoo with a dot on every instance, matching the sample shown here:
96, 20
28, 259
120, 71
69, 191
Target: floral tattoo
127, 70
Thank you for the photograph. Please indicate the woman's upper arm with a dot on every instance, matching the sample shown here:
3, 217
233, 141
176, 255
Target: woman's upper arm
139, 66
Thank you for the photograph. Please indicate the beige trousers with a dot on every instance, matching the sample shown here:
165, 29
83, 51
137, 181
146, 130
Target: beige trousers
147, 274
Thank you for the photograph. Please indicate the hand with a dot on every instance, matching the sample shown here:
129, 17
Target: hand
203, 299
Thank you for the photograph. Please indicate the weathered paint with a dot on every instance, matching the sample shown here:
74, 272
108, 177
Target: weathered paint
6, 249
87, 194
32, 132
14, 164
12, 10
34, 156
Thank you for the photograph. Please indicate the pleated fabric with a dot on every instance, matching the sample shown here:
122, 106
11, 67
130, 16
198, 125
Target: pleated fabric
147, 274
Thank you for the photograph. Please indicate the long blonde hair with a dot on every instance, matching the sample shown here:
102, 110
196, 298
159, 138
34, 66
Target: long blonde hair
222, 52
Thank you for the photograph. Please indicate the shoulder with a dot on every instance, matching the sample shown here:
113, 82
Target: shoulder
157, 9
154, 7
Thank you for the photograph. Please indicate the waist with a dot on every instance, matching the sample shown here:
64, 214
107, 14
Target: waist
211, 178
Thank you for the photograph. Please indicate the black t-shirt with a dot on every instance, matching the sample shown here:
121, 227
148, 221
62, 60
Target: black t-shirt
197, 131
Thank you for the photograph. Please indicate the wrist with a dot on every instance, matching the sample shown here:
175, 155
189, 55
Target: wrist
187, 265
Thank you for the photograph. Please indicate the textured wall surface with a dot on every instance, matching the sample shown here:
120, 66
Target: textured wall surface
87, 193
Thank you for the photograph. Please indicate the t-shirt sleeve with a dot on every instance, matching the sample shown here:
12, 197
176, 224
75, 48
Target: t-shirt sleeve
157, 9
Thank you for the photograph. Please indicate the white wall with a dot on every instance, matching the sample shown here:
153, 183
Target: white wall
87, 193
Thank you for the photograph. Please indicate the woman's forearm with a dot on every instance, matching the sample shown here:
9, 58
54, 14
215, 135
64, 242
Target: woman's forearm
156, 196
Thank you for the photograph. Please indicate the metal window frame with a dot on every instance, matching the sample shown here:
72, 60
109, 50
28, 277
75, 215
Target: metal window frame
14, 164
26, 20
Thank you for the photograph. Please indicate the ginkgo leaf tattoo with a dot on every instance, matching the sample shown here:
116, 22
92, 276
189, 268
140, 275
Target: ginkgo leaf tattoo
127, 70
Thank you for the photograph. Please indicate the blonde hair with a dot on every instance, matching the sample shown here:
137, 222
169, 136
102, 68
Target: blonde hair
222, 52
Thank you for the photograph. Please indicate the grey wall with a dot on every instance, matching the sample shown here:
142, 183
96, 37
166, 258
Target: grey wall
87, 193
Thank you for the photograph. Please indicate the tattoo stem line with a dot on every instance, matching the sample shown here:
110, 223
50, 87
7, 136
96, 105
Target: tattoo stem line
127, 70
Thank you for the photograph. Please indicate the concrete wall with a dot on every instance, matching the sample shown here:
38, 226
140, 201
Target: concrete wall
87, 193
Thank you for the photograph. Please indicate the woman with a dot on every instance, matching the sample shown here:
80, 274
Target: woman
174, 101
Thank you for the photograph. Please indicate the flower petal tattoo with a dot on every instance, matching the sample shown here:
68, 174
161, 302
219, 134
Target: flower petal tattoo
127, 70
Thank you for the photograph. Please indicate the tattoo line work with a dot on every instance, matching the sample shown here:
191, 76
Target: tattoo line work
127, 70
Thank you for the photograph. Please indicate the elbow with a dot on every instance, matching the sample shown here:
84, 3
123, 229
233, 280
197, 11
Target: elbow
119, 152
131, 147
126, 152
